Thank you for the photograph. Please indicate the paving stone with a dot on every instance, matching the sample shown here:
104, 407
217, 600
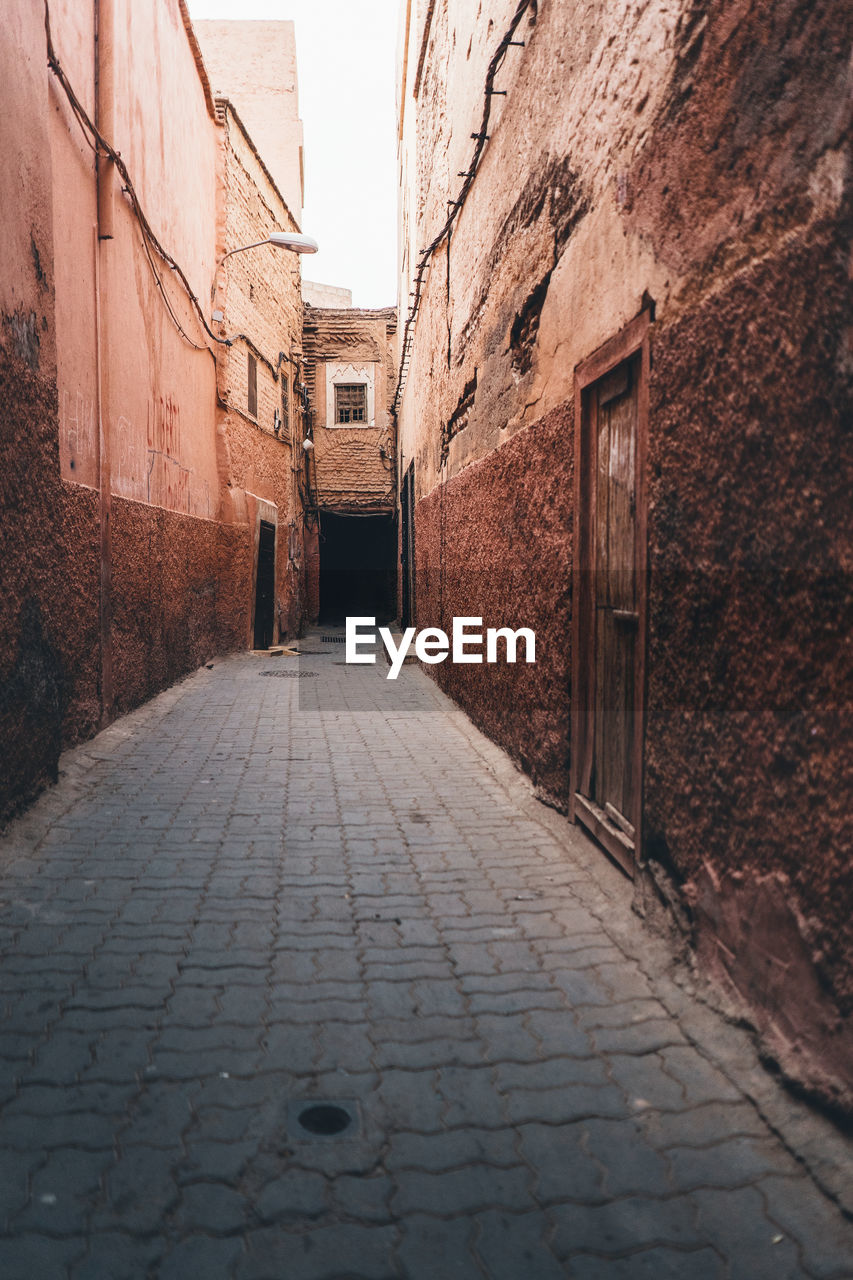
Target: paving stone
701, 1081
62, 1059
113, 1256
646, 1082
30, 1133
364, 1198
470, 1097
416, 1030
731, 1163
650, 1264
527, 1092
559, 1034
26, 1257
520, 1001
506, 1037
553, 1073
801, 1212
210, 1207
630, 1165
15, 1173
640, 1037
160, 1113
621, 1225
197, 1258
620, 1013
564, 1105
461, 1191
742, 1233
579, 986
63, 1192
140, 1190
459, 1147
433, 1247
345, 1047
702, 1125
410, 1100
513, 1245
212, 1161
296, 1194
318, 1255
563, 1168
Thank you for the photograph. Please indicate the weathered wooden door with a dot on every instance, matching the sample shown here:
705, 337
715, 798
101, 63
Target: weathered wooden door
265, 587
608, 661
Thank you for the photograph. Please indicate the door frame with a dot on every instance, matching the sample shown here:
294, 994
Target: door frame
266, 513
630, 341
407, 547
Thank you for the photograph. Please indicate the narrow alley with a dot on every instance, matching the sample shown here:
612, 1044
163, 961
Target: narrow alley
301, 981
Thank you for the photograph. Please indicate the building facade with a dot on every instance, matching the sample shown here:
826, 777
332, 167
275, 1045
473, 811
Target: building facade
624, 290
350, 466
259, 421
139, 483
253, 64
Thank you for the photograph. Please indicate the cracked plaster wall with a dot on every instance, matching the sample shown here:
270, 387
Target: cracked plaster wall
691, 157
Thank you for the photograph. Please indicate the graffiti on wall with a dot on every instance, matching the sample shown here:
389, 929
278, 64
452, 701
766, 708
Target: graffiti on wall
145, 461
78, 436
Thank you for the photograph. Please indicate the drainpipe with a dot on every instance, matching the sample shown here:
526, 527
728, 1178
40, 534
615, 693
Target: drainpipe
105, 110
105, 121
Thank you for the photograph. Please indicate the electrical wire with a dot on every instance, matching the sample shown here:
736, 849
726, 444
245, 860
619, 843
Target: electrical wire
481, 138
99, 144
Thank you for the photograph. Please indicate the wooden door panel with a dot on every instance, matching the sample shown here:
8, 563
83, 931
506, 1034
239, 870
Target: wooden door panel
609, 583
615, 590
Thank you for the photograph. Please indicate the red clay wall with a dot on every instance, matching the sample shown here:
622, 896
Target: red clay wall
749, 656
179, 598
690, 161
179, 593
495, 542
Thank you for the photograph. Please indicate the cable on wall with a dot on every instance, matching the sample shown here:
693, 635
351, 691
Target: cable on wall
98, 142
455, 206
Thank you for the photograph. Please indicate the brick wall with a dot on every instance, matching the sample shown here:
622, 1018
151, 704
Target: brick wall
352, 467
259, 293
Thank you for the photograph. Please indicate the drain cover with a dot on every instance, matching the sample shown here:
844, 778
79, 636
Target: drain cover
333, 639
314, 1118
289, 675
324, 1119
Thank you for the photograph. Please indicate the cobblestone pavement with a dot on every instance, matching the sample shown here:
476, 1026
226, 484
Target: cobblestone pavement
233, 904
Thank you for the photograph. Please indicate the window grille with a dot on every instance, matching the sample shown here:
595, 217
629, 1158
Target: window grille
351, 403
252, 396
285, 404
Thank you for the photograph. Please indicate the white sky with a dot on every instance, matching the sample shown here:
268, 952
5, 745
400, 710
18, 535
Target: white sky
345, 51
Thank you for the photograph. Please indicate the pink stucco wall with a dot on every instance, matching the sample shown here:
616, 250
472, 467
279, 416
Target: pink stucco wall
122, 568
159, 391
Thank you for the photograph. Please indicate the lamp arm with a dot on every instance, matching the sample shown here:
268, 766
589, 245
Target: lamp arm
242, 249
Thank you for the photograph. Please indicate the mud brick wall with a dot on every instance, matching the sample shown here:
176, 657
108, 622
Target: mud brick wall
690, 162
348, 466
259, 293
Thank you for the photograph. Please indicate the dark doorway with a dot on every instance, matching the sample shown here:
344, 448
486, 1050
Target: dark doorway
357, 567
610, 557
265, 587
407, 547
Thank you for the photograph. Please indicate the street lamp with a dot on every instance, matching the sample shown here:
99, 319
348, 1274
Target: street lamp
292, 240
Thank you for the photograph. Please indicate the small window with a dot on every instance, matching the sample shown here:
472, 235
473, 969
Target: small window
252, 396
285, 405
351, 403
